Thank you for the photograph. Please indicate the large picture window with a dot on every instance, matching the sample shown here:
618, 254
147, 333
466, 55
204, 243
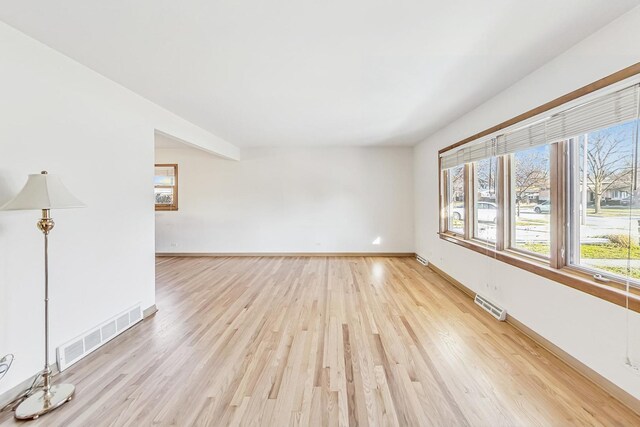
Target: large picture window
556, 192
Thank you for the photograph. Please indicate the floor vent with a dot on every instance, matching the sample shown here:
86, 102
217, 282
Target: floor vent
494, 310
421, 260
74, 350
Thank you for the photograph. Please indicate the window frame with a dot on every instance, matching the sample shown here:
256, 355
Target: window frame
572, 232
556, 267
174, 188
445, 203
510, 206
474, 204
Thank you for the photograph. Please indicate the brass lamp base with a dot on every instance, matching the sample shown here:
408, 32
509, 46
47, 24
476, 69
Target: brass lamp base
36, 404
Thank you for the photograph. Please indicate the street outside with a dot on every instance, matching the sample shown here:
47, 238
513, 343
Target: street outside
609, 241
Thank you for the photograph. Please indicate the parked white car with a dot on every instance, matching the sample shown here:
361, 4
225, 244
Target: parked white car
458, 213
485, 211
543, 207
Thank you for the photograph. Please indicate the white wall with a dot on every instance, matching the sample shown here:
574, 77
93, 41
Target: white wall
586, 327
60, 116
290, 200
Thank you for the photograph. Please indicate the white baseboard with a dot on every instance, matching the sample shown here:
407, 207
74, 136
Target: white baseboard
285, 254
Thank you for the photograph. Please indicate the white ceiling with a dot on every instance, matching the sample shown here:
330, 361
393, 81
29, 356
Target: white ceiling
302, 72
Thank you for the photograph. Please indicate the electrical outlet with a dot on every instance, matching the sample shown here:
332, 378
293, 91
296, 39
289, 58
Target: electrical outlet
5, 364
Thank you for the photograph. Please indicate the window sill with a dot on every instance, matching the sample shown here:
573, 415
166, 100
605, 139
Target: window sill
166, 208
613, 292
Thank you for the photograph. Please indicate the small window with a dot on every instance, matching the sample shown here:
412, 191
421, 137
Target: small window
166, 187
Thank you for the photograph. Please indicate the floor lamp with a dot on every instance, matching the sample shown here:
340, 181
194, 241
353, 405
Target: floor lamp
44, 192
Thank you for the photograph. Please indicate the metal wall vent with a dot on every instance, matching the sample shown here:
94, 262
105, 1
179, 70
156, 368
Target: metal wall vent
108, 330
92, 340
74, 350
497, 312
421, 259
123, 322
135, 314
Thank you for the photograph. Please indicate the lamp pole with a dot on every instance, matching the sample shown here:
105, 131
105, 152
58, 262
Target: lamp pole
45, 225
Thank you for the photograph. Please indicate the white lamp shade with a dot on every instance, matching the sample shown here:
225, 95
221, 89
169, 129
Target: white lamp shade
43, 191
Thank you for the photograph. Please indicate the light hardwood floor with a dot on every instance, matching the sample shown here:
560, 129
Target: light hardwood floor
323, 341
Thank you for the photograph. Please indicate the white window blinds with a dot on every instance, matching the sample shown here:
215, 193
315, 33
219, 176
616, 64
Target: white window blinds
602, 112
468, 153
522, 139
615, 108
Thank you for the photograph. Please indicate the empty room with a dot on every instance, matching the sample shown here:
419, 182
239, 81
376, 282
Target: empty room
373, 213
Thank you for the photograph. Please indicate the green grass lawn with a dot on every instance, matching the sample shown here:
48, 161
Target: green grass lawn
608, 251
531, 221
597, 251
621, 271
537, 248
591, 251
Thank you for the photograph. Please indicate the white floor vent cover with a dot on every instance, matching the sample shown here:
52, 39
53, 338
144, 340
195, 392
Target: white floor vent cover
494, 310
421, 260
74, 350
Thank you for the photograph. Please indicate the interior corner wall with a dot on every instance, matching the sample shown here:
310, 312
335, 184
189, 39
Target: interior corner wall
290, 200
588, 328
60, 116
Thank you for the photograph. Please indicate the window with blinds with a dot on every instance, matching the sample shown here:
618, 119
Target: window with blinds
558, 190
614, 108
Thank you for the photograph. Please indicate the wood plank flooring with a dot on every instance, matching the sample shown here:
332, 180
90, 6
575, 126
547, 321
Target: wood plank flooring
323, 341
